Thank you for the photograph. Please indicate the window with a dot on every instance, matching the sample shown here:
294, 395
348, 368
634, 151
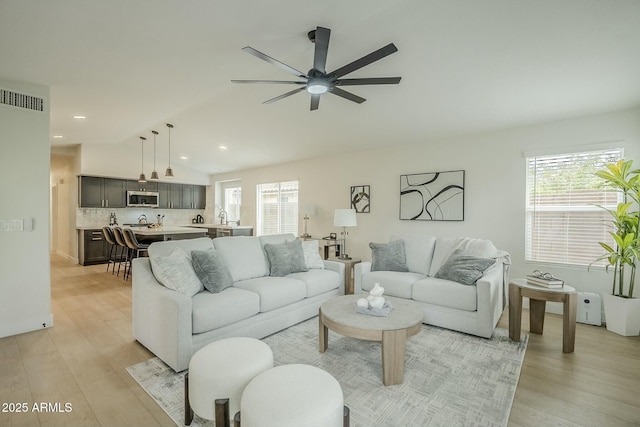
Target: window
232, 199
277, 208
564, 223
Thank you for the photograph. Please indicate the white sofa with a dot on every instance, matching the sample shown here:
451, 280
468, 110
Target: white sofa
473, 309
174, 326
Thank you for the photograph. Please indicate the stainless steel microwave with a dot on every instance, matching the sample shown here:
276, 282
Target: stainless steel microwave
147, 199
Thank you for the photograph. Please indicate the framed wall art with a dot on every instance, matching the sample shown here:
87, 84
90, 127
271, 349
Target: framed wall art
432, 196
361, 198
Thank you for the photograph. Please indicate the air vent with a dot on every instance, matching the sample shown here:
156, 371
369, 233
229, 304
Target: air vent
21, 100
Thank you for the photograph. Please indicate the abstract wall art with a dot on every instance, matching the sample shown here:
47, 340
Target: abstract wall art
432, 196
361, 198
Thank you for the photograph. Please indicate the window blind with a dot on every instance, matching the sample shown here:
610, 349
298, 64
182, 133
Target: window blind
277, 208
563, 221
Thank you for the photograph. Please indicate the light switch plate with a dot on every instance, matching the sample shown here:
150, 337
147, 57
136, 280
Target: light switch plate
28, 224
4, 225
16, 224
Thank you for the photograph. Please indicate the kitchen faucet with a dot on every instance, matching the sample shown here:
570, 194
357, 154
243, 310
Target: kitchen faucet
223, 217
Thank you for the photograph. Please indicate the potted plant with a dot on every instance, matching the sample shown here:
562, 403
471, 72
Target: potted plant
622, 310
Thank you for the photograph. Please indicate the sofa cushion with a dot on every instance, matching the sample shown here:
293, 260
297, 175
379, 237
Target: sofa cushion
311, 254
418, 251
388, 256
318, 281
463, 268
395, 283
176, 272
211, 270
445, 246
285, 258
274, 292
445, 293
211, 311
243, 255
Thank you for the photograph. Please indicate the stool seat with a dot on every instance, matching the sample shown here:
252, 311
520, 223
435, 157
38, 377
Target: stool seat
292, 396
221, 370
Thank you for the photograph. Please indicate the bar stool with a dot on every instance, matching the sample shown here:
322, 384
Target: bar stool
135, 248
118, 234
107, 232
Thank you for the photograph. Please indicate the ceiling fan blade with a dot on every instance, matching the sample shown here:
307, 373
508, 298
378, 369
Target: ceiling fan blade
273, 61
284, 95
369, 81
315, 102
322, 47
270, 82
365, 60
347, 95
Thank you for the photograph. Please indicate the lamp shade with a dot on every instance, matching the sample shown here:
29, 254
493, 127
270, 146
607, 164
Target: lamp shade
345, 218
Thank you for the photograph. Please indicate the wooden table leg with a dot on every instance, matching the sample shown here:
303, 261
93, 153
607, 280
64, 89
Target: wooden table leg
323, 334
515, 312
569, 322
394, 345
536, 315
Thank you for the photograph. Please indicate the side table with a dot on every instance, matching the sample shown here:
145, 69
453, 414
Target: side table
348, 272
538, 297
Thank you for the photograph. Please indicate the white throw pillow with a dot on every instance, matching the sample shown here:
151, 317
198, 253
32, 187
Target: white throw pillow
176, 272
311, 255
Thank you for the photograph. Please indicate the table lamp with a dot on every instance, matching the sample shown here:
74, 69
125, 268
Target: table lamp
345, 218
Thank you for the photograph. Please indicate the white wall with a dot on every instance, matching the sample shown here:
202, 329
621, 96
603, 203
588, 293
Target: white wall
495, 185
64, 202
25, 279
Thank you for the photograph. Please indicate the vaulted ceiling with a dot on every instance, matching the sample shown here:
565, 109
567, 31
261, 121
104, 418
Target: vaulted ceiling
466, 67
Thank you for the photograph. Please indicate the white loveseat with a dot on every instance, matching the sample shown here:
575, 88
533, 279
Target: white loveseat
174, 326
474, 309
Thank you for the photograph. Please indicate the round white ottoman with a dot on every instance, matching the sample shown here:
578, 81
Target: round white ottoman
222, 370
292, 396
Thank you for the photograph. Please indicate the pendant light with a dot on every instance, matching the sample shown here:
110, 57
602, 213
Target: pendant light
154, 173
142, 179
169, 172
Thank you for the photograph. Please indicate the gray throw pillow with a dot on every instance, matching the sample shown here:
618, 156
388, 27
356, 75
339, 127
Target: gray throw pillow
286, 258
211, 270
464, 268
388, 256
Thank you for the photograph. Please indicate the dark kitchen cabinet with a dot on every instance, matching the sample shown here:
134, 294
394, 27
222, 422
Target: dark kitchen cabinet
193, 196
94, 249
170, 195
97, 192
147, 186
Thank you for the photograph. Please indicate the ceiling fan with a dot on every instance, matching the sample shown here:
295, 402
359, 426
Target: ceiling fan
318, 81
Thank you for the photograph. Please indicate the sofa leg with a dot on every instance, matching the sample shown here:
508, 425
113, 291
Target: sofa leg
188, 412
221, 409
236, 419
346, 417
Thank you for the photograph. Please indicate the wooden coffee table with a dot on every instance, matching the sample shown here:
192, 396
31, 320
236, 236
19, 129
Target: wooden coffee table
339, 315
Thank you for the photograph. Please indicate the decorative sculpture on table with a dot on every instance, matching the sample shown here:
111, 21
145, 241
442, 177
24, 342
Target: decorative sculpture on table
374, 304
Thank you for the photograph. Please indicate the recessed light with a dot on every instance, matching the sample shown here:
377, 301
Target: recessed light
57, 136
223, 147
183, 157
79, 117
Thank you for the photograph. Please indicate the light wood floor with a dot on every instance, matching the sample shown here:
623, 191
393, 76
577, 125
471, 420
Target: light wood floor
82, 361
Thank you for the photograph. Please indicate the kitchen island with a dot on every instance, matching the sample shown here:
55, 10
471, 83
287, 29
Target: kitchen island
167, 232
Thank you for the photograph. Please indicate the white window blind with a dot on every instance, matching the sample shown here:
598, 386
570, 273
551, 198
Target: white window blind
277, 208
564, 223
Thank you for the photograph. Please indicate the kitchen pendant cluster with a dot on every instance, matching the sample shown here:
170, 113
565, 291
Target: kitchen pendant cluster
154, 174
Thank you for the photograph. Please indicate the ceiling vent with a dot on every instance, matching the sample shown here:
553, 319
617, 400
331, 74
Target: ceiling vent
21, 100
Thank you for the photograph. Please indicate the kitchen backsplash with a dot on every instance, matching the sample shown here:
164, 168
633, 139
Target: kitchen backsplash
99, 217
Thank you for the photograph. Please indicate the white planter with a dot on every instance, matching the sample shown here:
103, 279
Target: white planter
622, 315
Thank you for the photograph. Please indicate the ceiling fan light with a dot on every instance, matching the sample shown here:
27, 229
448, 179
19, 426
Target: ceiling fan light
317, 87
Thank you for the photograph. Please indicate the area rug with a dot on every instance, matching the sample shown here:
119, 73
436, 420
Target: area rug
451, 379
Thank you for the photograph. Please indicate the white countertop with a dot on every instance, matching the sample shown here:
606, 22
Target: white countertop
166, 229
214, 225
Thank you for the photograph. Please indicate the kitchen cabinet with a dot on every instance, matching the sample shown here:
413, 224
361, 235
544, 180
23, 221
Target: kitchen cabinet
94, 249
170, 195
193, 196
147, 186
97, 192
